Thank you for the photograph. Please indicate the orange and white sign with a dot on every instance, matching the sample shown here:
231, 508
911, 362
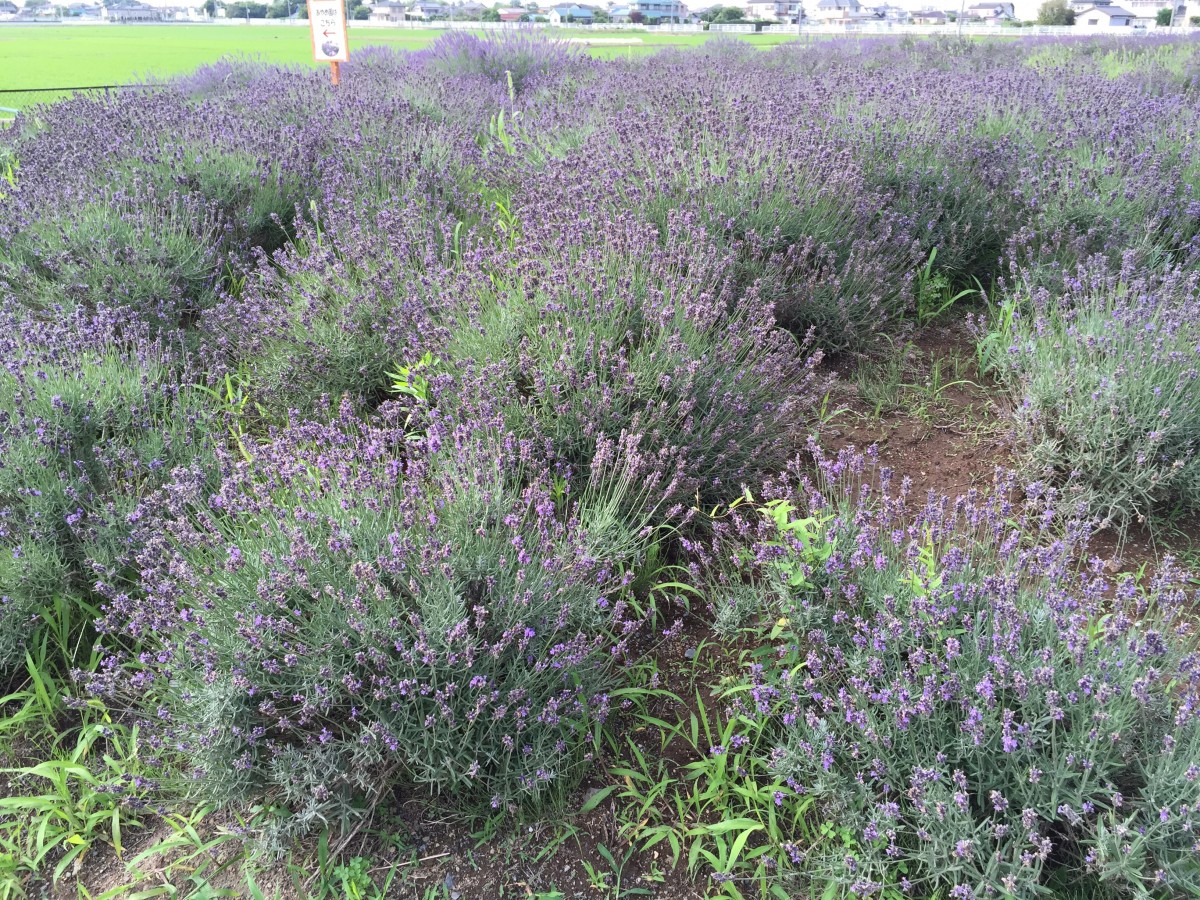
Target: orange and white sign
327, 20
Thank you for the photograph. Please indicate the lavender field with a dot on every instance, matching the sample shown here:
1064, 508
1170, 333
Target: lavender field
723, 473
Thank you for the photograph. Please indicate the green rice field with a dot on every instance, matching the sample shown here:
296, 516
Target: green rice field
71, 56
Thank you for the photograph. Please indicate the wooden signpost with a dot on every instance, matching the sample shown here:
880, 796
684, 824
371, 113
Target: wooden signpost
327, 21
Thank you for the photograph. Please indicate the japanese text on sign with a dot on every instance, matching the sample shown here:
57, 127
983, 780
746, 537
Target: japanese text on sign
327, 19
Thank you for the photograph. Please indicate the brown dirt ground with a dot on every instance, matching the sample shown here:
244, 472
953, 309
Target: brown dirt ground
951, 440
945, 435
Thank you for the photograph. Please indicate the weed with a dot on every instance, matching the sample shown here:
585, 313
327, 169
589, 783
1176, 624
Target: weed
880, 383
64, 807
8, 171
934, 292
232, 395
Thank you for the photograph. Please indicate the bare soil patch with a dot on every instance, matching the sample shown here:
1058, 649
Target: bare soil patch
935, 420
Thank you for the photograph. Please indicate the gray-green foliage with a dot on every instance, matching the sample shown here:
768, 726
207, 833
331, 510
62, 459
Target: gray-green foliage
964, 217
626, 339
386, 614
85, 437
333, 313
161, 263
958, 706
1106, 386
257, 199
808, 236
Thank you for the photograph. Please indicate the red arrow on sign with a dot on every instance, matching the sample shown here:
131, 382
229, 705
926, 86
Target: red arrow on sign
327, 33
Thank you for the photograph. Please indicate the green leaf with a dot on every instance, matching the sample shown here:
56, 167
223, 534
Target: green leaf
733, 825
597, 798
607, 854
739, 844
68, 858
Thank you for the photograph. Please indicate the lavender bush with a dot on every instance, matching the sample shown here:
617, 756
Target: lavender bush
963, 707
516, 60
95, 415
630, 337
822, 247
162, 265
1105, 381
960, 210
356, 605
778, 188
332, 314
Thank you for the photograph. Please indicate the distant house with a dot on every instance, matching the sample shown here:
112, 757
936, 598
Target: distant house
8, 9
778, 10
836, 12
124, 13
560, 14
470, 11
929, 17
425, 10
989, 12
652, 12
1104, 17
894, 15
1146, 11
512, 14
389, 12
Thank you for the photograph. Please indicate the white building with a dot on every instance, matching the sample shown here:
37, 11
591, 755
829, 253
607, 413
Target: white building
130, 12
652, 12
992, 13
839, 12
424, 10
1148, 9
894, 15
389, 12
1104, 17
774, 10
571, 14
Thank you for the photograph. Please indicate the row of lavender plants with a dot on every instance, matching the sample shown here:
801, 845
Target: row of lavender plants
360, 416
968, 709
